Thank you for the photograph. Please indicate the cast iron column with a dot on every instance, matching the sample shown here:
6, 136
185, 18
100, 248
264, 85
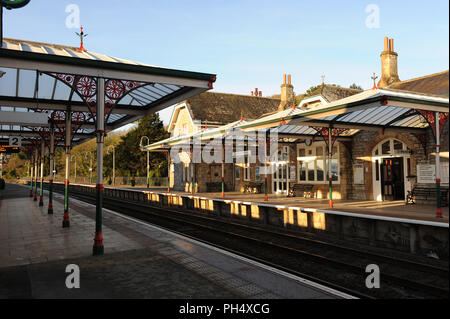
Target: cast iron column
41, 193
438, 169
66, 219
223, 167
31, 175
330, 178
50, 185
35, 172
98, 248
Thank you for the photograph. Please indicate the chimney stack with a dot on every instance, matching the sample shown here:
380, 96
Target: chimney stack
260, 93
287, 94
389, 69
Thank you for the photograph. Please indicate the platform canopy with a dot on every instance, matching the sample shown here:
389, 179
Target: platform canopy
44, 78
379, 110
198, 137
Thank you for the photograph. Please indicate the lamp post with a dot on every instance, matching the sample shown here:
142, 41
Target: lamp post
74, 158
89, 155
114, 161
148, 158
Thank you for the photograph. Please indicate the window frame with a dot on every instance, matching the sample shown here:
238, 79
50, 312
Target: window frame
324, 158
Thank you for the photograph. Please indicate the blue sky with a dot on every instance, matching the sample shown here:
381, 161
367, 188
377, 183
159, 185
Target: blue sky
251, 43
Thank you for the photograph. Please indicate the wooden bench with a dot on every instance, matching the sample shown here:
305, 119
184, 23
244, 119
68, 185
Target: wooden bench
253, 187
426, 192
214, 187
300, 190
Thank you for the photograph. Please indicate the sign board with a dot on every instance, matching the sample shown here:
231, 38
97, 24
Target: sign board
292, 173
426, 174
9, 149
358, 174
15, 141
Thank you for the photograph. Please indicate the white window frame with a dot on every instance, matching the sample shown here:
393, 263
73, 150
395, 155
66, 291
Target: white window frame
247, 172
312, 147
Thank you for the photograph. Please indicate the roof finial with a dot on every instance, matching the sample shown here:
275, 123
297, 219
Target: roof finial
374, 84
81, 35
242, 114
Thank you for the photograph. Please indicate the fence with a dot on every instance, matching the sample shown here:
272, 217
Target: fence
120, 181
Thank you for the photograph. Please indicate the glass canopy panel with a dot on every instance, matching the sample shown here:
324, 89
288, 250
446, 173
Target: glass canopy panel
46, 84
62, 92
8, 82
27, 83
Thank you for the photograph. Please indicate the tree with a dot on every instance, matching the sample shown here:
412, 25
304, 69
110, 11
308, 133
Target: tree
355, 87
130, 161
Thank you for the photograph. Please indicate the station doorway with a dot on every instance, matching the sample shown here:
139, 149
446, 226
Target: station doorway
392, 179
391, 160
280, 171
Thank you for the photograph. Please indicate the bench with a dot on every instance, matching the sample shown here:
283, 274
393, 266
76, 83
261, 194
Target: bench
214, 187
300, 190
253, 187
426, 192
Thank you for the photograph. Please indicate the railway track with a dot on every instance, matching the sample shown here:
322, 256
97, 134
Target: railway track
330, 264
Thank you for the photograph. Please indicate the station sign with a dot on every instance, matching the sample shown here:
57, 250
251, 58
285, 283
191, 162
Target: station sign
8, 149
15, 141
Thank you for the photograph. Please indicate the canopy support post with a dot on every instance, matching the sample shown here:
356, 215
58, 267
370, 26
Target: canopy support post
31, 174
66, 218
41, 192
330, 177
438, 169
98, 248
52, 155
35, 172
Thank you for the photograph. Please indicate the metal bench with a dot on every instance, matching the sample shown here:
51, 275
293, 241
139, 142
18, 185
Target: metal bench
301, 190
426, 192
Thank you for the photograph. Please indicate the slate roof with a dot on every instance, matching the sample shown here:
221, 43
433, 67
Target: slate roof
436, 84
223, 108
332, 93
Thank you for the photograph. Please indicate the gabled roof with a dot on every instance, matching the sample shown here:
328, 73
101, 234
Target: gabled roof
332, 93
436, 84
224, 108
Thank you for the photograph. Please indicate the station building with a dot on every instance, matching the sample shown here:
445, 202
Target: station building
379, 150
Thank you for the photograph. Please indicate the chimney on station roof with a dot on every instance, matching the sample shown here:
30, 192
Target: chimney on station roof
389, 69
287, 94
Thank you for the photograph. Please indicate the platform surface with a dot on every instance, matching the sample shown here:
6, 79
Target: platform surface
397, 209
140, 260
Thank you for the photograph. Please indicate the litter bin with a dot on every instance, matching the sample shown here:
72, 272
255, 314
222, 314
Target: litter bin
2, 183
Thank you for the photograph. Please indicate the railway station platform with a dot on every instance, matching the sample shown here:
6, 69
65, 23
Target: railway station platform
396, 209
140, 260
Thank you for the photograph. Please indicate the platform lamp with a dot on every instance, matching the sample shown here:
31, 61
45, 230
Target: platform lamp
114, 161
141, 146
86, 156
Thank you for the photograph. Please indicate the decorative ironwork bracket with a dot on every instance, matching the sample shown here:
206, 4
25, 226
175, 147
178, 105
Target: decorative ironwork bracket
335, 132
86, 88
430, 117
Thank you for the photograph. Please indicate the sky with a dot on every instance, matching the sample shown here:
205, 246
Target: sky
251, 43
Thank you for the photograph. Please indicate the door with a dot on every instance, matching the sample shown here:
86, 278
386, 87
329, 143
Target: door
392, 179
280, 178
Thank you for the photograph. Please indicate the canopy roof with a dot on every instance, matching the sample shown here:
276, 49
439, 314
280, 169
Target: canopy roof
379, 109
29, 83
205, 134
368, 110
